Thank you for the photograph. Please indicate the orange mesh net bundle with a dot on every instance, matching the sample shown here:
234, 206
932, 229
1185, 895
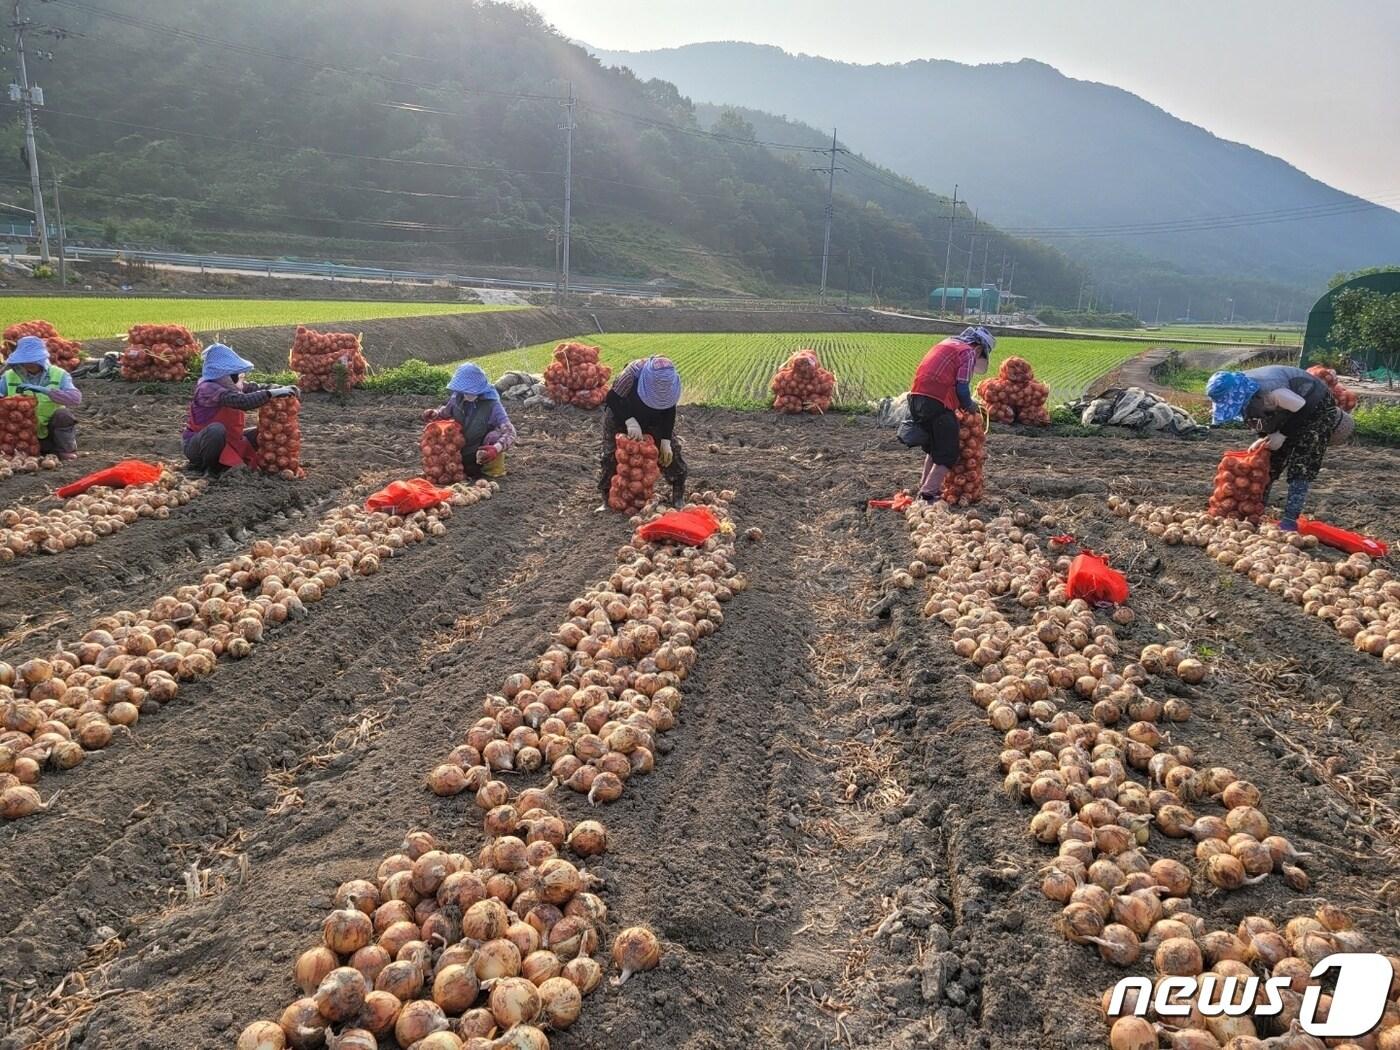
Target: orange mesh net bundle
158, 353
575, 377
19, 426
637, 470
1014, 395
67, 354
802, 385
279, 438
1346, 400
964, 483
441, 445
1240, 483
328, 361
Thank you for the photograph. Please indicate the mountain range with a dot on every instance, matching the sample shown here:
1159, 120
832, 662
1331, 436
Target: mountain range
1115, 181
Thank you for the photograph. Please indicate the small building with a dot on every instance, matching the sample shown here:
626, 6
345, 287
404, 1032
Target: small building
985, 300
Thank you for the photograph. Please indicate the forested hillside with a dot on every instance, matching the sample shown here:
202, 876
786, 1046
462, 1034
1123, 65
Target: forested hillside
430, 132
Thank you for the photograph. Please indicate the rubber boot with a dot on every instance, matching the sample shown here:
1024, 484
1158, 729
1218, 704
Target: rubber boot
678, 494
1293, 505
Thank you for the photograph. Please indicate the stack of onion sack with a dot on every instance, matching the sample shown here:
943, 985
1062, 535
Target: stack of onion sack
158, 353
65, 353
19, 426
1345, 399
1240, 481
441, 445
279, 438
637, 471
575, 377
1015, 396
440, 951
317, 358
802, 385
963, 485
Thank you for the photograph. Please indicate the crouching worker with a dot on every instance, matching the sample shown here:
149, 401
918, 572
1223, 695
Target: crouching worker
476, 407
216, 438
942, 385
1298, 417
29, 374
643, 400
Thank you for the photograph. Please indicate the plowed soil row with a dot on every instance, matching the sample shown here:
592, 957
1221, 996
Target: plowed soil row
826, 849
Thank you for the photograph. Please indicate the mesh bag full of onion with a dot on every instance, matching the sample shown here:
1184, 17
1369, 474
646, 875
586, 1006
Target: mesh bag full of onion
963, 485
279, 437
19, 433
1014, 395
441, 445
575, 377
65, 353
331, 361
637, 470
1345, 399
802, 385
1240, 483
158, 353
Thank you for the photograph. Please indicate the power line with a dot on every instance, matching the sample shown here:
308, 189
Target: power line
701, 132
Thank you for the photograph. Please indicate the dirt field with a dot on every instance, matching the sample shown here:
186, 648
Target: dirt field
828, 774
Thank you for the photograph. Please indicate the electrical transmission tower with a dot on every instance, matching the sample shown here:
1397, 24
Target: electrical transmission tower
831, 169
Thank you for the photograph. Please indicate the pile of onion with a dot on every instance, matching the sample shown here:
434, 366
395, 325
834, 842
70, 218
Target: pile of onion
331, 361
158, 353
86, 518
607, 686
575, 377
19, 426
65, 353
964, 484
441, 446
802, 385
55, 708
1014, 395
1359, 597
1240, 483
24, 464
279, 438
1346, 399
634, 481
441, 950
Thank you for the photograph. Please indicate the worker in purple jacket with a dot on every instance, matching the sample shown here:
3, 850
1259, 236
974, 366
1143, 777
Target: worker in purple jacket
216, 438
27, 373
476, 407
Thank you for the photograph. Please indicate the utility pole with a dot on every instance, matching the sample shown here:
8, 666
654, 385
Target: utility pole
1079, 302
948, 253
1158, 319
830, 170
62, 251
848, 278
982, 299
971, 252
568, 129
1011, 280
29, 97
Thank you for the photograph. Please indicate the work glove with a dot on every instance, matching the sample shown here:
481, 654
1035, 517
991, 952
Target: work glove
1275, 441
429, 414
634, 430
33, 388
664, 455
486, 453
283, 391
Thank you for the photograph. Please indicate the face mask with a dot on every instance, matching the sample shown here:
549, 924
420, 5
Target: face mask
981, 365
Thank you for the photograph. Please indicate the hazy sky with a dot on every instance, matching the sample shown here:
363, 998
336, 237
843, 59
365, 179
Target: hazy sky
1316, 82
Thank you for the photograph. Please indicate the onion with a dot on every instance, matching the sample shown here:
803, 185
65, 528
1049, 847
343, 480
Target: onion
1118, 945
557, 881
346, 931
341, 994
636, 949
455, 988
584, 972
262, 1035
380, 1011
401, 979
522, 1037
302, 1025
497, 959
418, 1020
514, 1001
1179, 957
560, 1002
477, 1023
540, 966
1132, 1033
588, 839
22, 801
312, 966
